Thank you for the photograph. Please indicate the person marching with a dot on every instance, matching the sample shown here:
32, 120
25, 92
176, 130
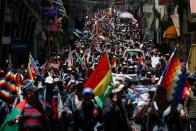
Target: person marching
114, 116
30, 114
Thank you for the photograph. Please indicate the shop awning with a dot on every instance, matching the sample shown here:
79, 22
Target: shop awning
170, 32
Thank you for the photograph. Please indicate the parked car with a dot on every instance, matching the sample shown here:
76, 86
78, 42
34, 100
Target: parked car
133, 64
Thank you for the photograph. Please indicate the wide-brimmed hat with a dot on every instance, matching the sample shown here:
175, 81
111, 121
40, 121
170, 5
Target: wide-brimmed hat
118, 88
27, 83
49, 80
29, 86
56, 79
30, 89
69, 69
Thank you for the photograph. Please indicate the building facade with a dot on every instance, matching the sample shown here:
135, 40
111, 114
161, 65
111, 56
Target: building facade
181, 14
20, 31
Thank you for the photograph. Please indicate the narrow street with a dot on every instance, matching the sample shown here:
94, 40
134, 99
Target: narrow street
98, 65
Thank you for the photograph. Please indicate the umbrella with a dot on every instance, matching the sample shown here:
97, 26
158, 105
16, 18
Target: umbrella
126, 15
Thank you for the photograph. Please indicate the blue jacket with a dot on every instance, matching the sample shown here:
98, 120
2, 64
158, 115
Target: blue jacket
4, 111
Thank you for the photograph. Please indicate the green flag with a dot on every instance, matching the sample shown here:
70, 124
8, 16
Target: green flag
16, 111
99, 99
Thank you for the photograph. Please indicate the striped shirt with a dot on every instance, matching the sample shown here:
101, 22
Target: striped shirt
4, 111
34, 118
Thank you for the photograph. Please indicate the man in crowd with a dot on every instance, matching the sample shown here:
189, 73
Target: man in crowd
190, 108
114, 116
53, 99
162, 115
87, 114
34, 114
74, 100
4, 111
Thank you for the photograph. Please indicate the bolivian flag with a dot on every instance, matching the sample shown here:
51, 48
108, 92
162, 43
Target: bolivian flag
101, 77
16, 111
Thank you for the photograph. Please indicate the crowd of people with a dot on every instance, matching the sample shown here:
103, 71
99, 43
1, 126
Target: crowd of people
57, 100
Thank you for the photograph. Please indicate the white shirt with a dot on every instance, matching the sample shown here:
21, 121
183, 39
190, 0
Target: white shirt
154, 61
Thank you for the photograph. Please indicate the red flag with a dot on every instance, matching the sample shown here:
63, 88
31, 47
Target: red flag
101, 77
29, 73
19, 79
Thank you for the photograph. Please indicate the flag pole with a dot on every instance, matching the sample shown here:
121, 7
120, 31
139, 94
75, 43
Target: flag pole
159, 83
161, 78
188, 58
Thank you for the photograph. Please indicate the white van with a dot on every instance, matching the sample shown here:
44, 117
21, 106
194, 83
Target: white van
132, 52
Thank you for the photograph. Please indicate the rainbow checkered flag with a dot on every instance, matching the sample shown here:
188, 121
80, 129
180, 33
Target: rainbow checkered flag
8, 87
174, 78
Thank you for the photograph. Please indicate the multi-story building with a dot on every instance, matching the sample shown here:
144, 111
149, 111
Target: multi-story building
177, 18
187, 12
147, 19
20, 31
78, 9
